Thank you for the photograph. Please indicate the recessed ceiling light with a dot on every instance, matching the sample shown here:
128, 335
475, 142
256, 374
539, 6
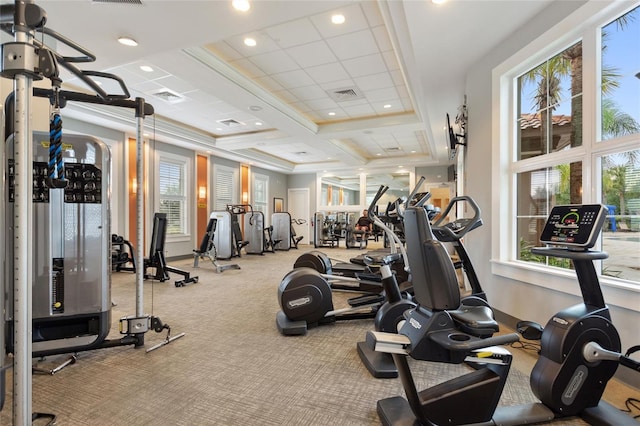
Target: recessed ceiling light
386, 106
332, 113
337, 19
127, 41
255, 108
146, 68
241, 5
250, 42
400, 167
378, 154
438, 1
413, 152
258, 123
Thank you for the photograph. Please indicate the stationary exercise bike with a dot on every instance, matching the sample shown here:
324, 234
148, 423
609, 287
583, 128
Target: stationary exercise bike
580, 347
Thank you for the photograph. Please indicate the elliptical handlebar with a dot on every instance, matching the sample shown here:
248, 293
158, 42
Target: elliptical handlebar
375, 200
415, 191
468, 223
393, 238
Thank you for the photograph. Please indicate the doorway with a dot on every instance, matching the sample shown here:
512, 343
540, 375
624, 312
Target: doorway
298, 201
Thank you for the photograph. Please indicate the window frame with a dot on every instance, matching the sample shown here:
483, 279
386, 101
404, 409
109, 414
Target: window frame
185, 163
585, 24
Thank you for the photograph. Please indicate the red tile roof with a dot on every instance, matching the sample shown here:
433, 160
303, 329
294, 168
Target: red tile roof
533, 120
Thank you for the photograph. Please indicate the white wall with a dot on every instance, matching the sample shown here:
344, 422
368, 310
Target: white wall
517, 299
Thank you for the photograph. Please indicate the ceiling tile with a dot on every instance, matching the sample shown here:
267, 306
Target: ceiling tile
224, 51
374, 81
248, 68
322, 104
134, 68
354, 21
286, 95
371, 64
328, 73
331, 85
274, 62
312, 54
353, 45
301, 106
309, 92
292, 79
175, 84
359, 110
269, 83
293, 33
264, 43
380, 95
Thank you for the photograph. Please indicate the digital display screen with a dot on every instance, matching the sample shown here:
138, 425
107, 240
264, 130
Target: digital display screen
574, 225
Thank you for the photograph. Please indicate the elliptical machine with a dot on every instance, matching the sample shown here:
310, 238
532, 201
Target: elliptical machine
580, 348
305, 295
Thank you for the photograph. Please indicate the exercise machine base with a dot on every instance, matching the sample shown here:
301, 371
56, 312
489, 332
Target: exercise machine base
379, 364
397, 412
288, 327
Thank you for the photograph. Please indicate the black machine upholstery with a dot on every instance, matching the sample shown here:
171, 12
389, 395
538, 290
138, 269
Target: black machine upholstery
156, 258
435, 283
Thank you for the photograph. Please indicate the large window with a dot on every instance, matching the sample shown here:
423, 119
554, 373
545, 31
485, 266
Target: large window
570, 129
172, 193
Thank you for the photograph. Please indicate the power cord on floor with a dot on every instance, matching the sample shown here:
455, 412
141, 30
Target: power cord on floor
632, 404
527, 346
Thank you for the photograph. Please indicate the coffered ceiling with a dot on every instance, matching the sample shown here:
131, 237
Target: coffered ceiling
310, 95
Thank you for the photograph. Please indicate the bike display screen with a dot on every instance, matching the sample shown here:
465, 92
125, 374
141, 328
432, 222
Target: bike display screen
574, 225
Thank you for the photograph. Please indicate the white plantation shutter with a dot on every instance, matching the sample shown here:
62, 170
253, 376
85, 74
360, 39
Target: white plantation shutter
225, 187
171, 178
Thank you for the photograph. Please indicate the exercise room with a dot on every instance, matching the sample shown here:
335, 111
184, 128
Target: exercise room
320, 212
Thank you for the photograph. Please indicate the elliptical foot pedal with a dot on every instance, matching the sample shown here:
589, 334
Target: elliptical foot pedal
395, 411
288, 327
379, 364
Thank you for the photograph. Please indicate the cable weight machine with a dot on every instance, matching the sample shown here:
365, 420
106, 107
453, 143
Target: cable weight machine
24, 60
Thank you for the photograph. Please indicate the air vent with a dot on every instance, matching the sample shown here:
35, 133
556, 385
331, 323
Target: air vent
393, 149
118, 1
168, 96
345, 94
301, 153
230, 122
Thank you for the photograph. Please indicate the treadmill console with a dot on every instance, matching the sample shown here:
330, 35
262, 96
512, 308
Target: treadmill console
574, 225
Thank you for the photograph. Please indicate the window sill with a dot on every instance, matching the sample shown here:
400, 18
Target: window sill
616, 292
178, 238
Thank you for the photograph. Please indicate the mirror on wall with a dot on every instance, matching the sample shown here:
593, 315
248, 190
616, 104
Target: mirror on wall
355, 191
398, 184
340, 190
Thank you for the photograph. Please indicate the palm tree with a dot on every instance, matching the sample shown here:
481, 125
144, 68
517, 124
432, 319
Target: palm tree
548, 77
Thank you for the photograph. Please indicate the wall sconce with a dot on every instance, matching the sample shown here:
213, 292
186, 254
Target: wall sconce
202, 192
134, 186
245, 197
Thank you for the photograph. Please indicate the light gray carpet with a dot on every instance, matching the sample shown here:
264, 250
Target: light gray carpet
232, 367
